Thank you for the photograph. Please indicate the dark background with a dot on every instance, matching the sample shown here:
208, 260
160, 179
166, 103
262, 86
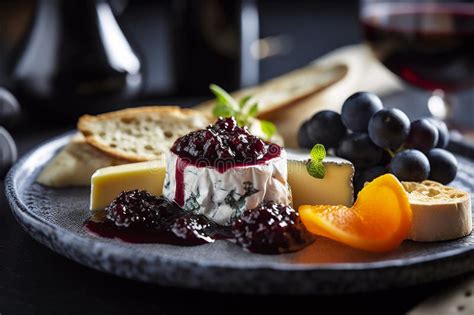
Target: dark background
33, 279
302, 24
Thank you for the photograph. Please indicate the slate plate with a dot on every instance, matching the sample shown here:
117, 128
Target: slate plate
54, 217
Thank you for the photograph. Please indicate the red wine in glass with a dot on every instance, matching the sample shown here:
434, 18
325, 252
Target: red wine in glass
429, 45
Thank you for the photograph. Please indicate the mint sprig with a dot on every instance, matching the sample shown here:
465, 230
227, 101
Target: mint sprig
224, 98
268, 128
242, 110
315, 166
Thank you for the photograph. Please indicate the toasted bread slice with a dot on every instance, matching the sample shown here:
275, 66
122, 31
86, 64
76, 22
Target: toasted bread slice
142, 133
282, 91
75, 164
439, 212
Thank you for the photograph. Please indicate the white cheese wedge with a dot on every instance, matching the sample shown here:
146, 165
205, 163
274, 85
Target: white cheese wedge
440, 212
224, 196
108, 182
334, 189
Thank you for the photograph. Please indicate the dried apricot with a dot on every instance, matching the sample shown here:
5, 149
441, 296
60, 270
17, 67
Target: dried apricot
379, 220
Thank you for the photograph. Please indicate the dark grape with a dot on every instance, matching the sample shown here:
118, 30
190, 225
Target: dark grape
423, 135
9, 108
388, 128
326, 128
443, 132
444, 165
358, 109
303, 138
8, 151
360, 150
410, 165
367, 175
385, 160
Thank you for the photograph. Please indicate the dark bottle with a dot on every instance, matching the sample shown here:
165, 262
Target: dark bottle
212, 41
75, 60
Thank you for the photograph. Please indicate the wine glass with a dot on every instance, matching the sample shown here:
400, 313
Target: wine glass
427, 43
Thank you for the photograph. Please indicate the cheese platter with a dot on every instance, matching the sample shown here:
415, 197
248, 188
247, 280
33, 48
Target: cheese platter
215, 200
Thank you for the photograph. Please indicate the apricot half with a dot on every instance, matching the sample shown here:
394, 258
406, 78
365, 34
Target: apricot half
379, 220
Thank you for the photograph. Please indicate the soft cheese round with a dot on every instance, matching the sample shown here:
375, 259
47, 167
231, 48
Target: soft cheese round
223, 196
440, 212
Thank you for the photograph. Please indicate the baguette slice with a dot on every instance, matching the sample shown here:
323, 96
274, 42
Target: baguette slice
284, 90
440, 212
75, 164
142, 133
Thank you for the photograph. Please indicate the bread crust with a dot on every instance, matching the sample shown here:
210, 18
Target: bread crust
86, 123
286, 81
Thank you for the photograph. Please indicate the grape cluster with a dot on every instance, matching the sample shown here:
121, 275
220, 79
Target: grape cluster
378, 140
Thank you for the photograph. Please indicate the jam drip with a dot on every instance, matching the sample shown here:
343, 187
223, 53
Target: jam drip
138, 217
179, 179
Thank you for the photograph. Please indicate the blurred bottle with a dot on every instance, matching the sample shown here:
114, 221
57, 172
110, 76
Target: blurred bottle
212, 40
75, 60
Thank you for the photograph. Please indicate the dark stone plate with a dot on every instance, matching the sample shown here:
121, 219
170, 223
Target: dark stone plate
54, 217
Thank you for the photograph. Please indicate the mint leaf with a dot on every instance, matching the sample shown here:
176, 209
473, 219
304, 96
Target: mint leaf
318, 152
241, 121
315, 166
268, 128
243, 101
316, 169
223, 97
253, 111
222, 110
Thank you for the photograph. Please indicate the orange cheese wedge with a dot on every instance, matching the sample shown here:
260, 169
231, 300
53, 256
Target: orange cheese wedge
379, 220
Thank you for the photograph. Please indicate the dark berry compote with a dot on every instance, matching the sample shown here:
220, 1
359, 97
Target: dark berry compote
224, 145
271, 228
138, 217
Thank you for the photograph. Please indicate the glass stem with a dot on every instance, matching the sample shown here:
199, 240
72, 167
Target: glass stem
441, 106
